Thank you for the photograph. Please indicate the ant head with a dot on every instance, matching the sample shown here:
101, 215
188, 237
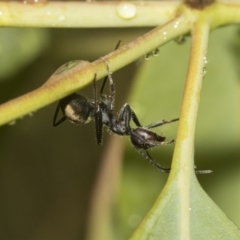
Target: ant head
76, 108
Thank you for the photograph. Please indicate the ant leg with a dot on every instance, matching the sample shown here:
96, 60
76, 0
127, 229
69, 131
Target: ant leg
95, 89
153, 125
124, 118
98, 114
118, 44
160, 123
109, 76
202, 171
55, 122
152, 161
133, 116
111, 86
126, 115
103, 85
167, 143
135, 119
98, 125
163, 169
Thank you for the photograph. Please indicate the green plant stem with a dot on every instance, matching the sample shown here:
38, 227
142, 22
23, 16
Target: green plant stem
72, 79
85, 14
183, 159
182, 173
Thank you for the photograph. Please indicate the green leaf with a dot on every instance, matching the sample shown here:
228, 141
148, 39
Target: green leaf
207, 221
157, 95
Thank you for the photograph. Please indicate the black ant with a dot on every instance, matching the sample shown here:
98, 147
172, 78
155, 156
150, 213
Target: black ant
77, 109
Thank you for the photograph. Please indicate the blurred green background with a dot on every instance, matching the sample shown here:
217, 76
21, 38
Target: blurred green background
47, 174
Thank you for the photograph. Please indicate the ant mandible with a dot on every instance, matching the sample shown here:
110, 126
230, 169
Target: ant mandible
77, 109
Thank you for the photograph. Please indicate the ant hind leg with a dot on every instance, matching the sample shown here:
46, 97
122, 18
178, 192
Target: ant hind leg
202, 171
160, 123
152, 161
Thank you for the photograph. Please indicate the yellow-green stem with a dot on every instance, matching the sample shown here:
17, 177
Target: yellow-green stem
76, 76
183, 160
76, 13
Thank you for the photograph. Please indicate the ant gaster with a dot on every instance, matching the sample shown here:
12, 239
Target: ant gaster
77, 109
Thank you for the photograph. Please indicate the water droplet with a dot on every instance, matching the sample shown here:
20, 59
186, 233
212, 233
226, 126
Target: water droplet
176, 24
148, 56
78, 64
186, 168
156, 52
66, 66
35, 1
205, 60
61, 18
204, 71
126, 10
180, 39
165, 35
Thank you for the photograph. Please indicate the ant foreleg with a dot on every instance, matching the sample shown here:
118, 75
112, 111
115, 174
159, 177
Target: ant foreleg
111, 86
99, 126
105, 79
160, 123
97, 115
163, 169
56, 123
152, 161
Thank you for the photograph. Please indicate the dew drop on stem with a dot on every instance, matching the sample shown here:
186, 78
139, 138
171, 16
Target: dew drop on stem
204, 71
35, 1
148, 56
180, 39
165, 35
126, 10
156, 52
205, 60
